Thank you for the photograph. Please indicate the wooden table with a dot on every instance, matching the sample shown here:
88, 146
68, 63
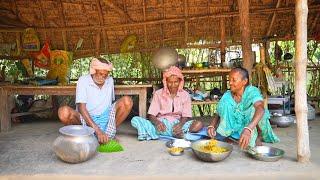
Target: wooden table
7, 90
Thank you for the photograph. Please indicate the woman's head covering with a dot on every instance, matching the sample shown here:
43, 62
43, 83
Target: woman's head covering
96, 64
173, 70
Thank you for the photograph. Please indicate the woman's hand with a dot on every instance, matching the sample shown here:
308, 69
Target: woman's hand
102, 137
160, 126
245, 138
211, 131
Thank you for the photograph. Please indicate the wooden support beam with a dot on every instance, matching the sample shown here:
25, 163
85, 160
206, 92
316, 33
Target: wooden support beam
314, 23
161, 24
117, 9
64, 32
223, 46
97, 43
64, 39
101, 20
301, 59
245, 34
144, 19
42, 18
273, 19
186, 26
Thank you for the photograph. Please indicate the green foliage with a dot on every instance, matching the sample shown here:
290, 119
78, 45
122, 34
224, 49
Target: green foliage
110, 146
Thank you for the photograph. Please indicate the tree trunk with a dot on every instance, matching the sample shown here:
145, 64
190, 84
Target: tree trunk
245, 34
301, 13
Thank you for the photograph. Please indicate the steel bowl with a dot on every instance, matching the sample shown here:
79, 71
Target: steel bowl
265, 153
210, 157
282, 121
178, 153
75, 144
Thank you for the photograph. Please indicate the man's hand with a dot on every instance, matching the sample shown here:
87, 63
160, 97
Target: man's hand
177, 130
160, 126
245, 139
102, 137
211, 132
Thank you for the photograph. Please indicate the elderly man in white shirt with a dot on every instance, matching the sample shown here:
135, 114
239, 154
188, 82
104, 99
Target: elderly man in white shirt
94, 97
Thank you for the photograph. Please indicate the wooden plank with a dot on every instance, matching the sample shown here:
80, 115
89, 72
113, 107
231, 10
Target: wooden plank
301, 109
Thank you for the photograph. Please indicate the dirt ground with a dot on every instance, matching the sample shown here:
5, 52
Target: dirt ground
26, 153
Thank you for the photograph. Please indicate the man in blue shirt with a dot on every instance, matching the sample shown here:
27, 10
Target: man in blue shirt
94, 97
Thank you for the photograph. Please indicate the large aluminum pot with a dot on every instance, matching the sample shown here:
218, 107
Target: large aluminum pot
282, 121
164, 58
75, 144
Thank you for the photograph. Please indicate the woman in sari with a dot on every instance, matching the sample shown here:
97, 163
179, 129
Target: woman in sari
241, 115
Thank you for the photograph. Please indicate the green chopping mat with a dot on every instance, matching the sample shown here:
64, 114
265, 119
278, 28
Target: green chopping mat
111, 146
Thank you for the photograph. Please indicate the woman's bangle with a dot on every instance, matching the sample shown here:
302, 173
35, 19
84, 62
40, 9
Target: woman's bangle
248, 129
210, 127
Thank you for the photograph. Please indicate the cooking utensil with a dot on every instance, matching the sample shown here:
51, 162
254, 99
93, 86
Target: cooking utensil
176, 151
265, 153
75, 144
211, 157
178, 143
164, 58
282, 120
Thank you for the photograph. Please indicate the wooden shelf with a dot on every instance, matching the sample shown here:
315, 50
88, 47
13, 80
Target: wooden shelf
203, 71
204, 102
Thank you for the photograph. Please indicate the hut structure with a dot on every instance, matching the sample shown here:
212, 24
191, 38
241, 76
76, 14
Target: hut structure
108, 27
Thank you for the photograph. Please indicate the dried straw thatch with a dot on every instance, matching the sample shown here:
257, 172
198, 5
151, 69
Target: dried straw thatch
156, 23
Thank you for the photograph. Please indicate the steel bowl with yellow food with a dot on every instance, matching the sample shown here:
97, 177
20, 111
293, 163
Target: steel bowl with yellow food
211, 150
176, 151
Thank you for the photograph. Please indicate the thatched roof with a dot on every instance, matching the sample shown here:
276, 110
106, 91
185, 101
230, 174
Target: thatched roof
155, 23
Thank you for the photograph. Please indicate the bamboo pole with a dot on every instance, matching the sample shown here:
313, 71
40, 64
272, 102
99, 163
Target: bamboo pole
273, 19
223, 50
245, 34
144, 19
104, 36
303, 150
186, 26
64, 39
97, 45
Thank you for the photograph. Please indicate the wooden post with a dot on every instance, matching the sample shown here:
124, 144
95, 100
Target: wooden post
5, 121
223, 50
245, 34
301, 13
262, 53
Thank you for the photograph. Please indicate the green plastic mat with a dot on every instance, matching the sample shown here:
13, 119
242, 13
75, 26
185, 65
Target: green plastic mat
111, 146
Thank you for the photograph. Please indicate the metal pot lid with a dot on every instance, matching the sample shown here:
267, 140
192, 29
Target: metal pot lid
76, 130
